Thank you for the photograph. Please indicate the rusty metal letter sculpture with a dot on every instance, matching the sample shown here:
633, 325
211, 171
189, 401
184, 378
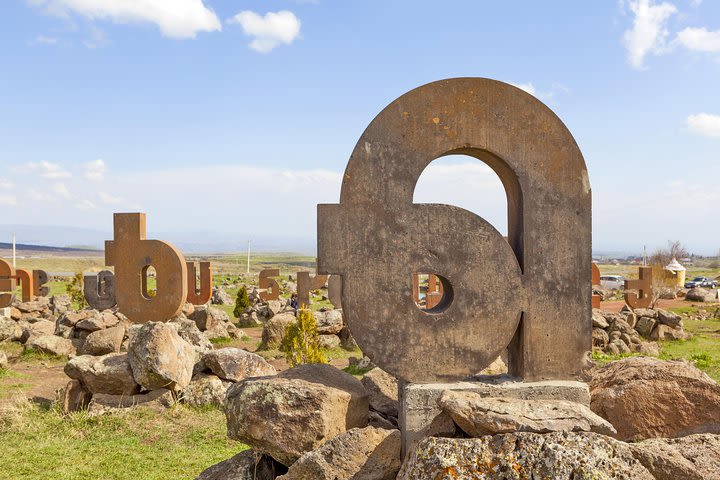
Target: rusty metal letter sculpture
204, 294
132, 254
99, 290
643, 285
40, 279
8, 283
269, 287
25, 278
498, 292
595, 281
306, 283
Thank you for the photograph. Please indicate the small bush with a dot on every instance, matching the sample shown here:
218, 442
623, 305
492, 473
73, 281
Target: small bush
241, 302
702, 360
301, 344
75, 290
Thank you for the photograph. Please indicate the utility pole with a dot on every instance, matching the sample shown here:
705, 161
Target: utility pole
248, 258
14, 265
644, 255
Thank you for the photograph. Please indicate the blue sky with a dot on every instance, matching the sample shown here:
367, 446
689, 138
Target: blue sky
202, 111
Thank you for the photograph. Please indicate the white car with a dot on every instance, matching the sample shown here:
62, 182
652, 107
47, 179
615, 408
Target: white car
612, 282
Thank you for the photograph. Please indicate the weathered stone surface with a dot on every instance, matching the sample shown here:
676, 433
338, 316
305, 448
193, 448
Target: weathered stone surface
669, 318
382, 391
646, 312
102, 342
9, 330
52, 345
556, 456
188, 331
665, 332
599, 338
235, 364
43, 327
246, 465
598, 320
645, 326
645, 397
110, 374
102, 403
207, 317
329, 322
296, 411
700, 295
205, 390
329, 342
274, 330
359, 454
98, 321
73, 397
376, 232
160, 358
4, 363
478, 415
220, 297
695, 457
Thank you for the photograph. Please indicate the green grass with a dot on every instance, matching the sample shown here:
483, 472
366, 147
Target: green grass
221, 341
143, 443
355, 370
603, 358
339, 352
31, 355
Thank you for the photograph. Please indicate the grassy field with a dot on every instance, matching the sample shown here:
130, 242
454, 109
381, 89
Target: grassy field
154, 445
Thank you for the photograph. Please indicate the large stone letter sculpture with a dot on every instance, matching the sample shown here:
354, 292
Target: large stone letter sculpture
643, 285
306, 283
40, 278
132, 254
204, 294
7, 283
99, 290
595, 281
335, 286
269, 287
529, 292
25, 278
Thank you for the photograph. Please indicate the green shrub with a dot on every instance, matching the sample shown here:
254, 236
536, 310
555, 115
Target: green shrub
75, 290
241, 302
301, 343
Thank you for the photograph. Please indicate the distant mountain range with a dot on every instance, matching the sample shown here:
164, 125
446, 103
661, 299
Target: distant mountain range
71, 238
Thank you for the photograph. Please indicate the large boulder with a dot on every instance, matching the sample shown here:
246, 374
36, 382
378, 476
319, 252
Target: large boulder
221, 297
382, 391
37, 329
557, 456
329, 322
160, 358
97, 321
296, 411
645, 397
359, 454
274, 330
695, 457
110, 374
52, 345
102, 342
205, 390
477, 415
235, 364
9, 330
247, 465
701, 295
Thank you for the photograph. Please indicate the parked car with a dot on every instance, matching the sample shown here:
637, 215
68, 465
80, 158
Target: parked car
703, 282
612, 282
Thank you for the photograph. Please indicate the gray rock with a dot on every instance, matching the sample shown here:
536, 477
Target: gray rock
701, 295
359, 454
695, 457
556, 456
73, 397
3, 360
329, 342
246, 465
205, 390
160, 358
600, 338
98, 321
665, 332
102, 403
646, 312
208, 318
37, 329
9, 330
669, 318
52, 345
110, 374
644, 326
220, 297
329, 322
296, 411
382, 391
274, 330
234, 364
478, 415
102, 342
598, 320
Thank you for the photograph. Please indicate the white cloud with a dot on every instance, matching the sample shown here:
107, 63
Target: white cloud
269, 31
44, 40
5, 183
699, 39
95, 170
38, 196
108, 199
85, 205
528, 87
704, 124
174, 18
61, 190
649, 31
46, 169
8, 200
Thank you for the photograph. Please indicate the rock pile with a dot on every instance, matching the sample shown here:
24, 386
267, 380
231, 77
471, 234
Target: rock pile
634, 330
330, 325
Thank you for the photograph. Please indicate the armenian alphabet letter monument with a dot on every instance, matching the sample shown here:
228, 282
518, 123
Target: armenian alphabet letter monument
528, 294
